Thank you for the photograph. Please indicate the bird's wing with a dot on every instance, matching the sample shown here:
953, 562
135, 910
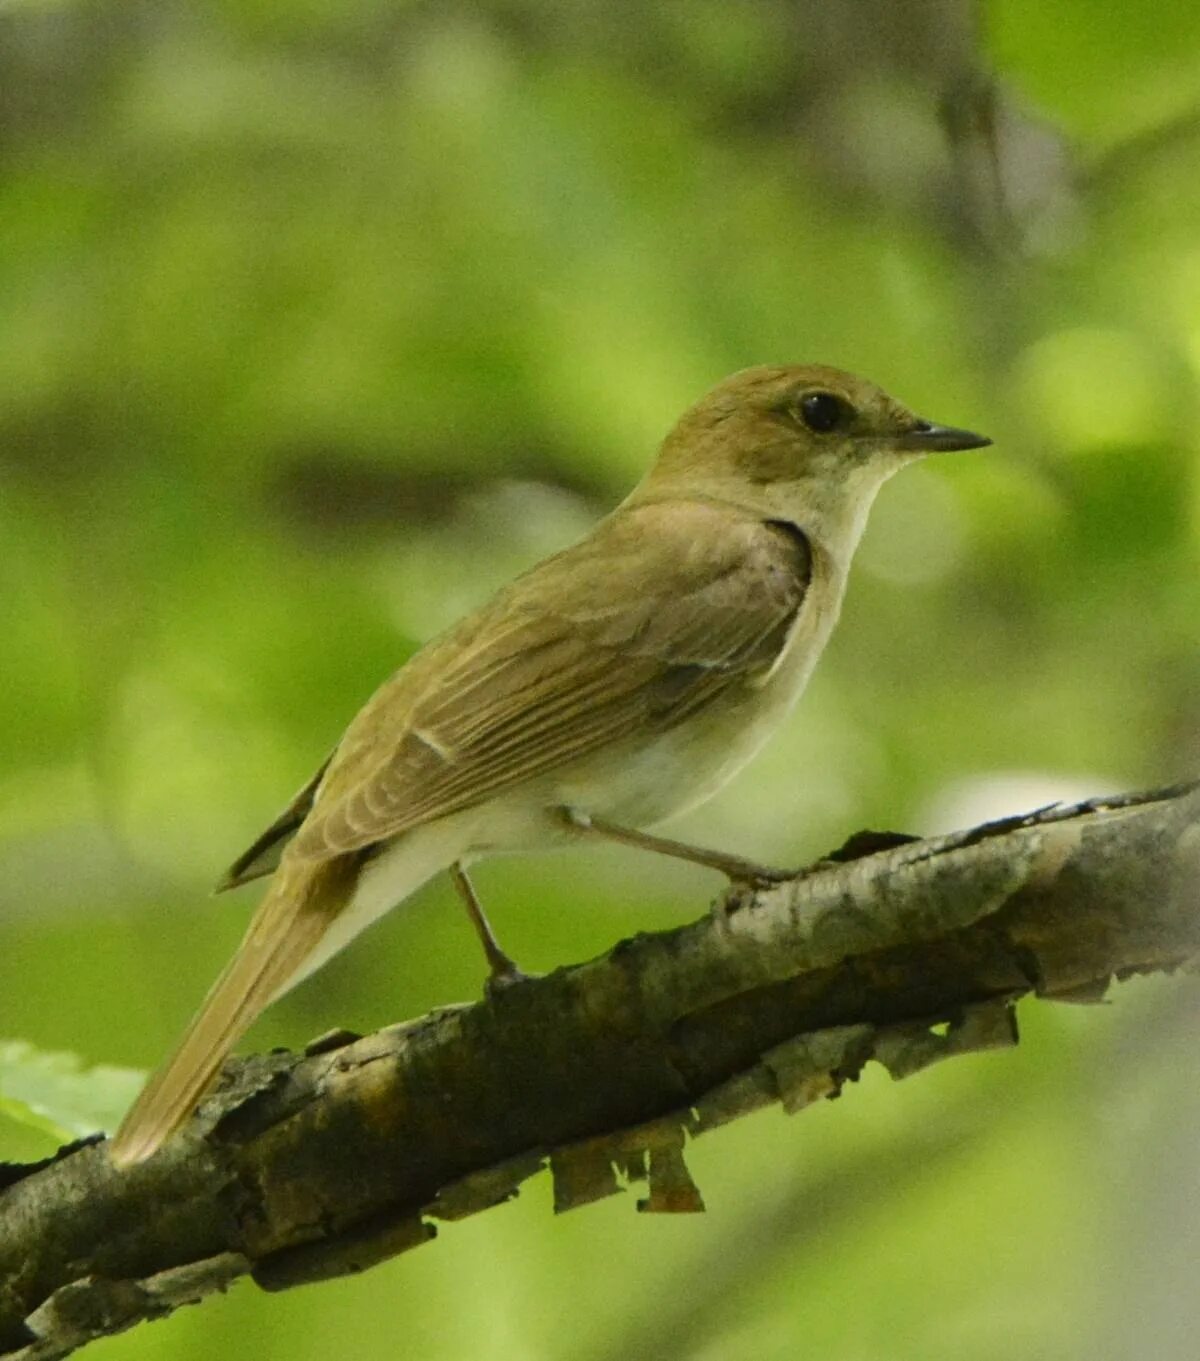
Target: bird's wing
633, 630
263, 856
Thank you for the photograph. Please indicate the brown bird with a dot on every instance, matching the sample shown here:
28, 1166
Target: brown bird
614, 685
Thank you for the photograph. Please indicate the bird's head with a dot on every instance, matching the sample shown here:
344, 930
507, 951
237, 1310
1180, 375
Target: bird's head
776, 431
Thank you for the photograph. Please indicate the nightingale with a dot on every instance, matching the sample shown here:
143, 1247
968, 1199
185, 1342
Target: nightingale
614, 685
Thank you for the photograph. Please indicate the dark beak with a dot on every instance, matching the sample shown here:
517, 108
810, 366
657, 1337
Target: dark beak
927, 438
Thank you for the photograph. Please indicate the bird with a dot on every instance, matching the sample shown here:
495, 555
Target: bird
611, 687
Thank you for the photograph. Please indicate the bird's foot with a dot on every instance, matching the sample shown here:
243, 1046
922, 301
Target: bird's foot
746, 882
504, 976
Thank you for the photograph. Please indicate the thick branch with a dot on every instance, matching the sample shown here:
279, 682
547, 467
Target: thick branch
308, 1166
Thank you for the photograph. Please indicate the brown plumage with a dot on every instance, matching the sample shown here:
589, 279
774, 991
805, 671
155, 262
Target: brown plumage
484, 707
623, 679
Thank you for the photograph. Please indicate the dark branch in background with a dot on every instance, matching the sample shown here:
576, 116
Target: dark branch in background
305, 1167
324, 492
1112, 170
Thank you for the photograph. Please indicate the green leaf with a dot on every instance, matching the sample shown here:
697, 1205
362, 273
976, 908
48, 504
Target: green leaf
58, 1094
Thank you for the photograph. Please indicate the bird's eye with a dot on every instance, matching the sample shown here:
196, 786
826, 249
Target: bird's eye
823, 412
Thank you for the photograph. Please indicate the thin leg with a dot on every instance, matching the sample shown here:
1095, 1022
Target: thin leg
737, 870
502, 968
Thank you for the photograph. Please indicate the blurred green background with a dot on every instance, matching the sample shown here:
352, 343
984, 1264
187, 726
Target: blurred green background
319, 319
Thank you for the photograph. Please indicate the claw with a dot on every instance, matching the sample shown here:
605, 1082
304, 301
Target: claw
759, 877
508, 976
743, 887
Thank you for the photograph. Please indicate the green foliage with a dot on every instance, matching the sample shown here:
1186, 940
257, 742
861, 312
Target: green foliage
59, 1095
318, 319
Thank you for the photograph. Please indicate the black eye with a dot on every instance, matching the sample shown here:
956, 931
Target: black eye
822, 411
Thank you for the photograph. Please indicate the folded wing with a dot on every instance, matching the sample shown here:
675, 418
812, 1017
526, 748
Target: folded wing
643, 624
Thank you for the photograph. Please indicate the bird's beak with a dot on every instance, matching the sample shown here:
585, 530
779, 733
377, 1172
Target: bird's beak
927, 438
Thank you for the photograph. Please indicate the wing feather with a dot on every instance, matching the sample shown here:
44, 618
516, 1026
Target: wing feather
636, 629
263, 856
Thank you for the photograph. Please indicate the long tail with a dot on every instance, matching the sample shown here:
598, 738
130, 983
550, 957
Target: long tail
300, 905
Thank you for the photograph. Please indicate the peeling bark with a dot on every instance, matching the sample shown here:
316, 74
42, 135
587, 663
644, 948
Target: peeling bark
302, 1167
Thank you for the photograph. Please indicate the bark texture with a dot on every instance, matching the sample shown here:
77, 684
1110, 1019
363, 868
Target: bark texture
302, 1167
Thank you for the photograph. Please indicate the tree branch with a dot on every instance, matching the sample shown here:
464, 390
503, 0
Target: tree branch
307, 1166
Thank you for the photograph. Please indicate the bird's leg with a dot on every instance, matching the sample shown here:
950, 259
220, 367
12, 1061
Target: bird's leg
503, 970
739, 871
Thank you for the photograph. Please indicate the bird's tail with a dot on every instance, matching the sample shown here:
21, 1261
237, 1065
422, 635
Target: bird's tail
283, 934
